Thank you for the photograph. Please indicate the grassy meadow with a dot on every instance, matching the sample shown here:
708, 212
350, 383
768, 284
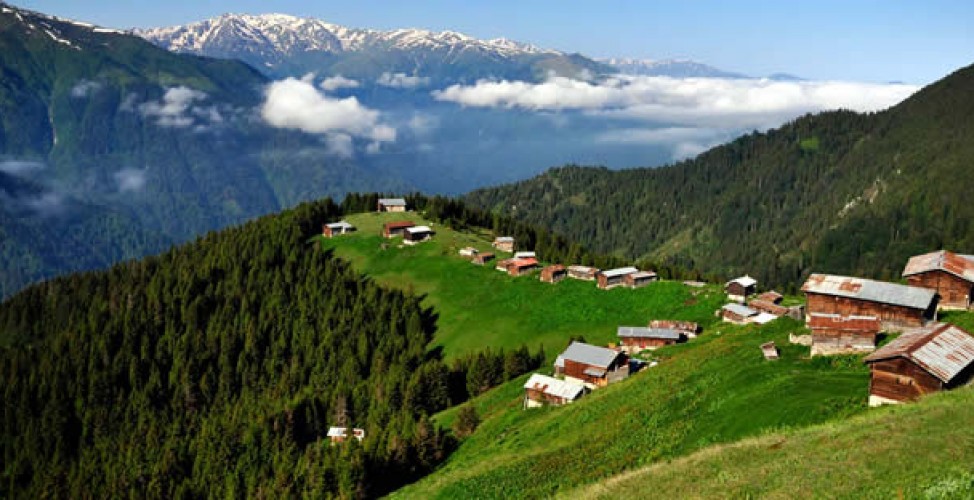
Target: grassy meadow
479, 306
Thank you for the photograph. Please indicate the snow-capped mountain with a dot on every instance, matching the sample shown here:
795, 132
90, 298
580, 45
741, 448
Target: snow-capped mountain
280, 44
676, 68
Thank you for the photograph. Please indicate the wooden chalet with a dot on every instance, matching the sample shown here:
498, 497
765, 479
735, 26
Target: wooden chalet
835, 334
541, 390
519, 267
592, 366
468, 252
504, 243
340, 434
417, 234
771, 296
687, 328
769, 350
553, 273
895, 305
396, 228
738, 289
768, 307
931, 359
614, 277
391, 205
482, 258
737, 314
583, 272
633, 339
950, 274
336, 228
640, 279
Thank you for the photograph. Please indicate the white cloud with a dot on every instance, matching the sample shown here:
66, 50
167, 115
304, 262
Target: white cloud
130, 180
423, 123
48, 203
176, 107
297, 104
684, 142
337, 82
340, 145
84, 88
695, 102
18, 167
402, 80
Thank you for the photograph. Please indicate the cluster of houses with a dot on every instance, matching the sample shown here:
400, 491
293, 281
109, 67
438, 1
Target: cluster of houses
747, 308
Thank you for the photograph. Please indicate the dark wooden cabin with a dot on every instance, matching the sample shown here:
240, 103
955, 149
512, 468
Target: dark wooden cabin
614, 277
553, 273
640, 279
583, 272
482, 258
738, 289
935, 358
417, 234
950, 274
835, 334
396, 228
591, 365
896, 306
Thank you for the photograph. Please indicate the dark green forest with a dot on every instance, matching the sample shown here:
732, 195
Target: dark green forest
215, 369
834, 192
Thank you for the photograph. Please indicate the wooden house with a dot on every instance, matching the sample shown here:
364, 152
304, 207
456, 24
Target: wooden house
950, 274
553, 273
640, 279
336, 228
417, 234
769, 350
768, 307
519, 267
340, 434
633, 339
614, 277
592, 366
835, 334
895, 305
738, 289
737, 314
391, 205
583, 272
541, 390
468, 252
687, 328
396, 228
771, 296
482, 258
504, 243
931, 359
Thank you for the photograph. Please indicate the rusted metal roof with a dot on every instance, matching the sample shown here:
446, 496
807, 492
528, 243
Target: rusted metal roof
849, 323
642, 275
523, 262
399, 224
583, 269
554, 387
942, 350
622, 271
588, 354
873, 291
648, 333
942, 260
768, 307
745, 281
771, 296
683, 326
553, 268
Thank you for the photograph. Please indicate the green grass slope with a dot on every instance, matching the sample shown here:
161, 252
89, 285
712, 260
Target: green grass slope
916, 451
479, 306
716, 389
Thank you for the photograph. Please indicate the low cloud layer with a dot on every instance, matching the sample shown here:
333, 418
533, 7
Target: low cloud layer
179, 108
693, 102
84, 88
19, 167
296, 104
337, 82
130, 180
402, 80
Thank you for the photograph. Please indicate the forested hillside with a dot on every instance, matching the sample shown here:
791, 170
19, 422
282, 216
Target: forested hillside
839, 192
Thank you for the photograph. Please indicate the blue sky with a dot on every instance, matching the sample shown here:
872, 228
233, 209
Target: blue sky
873, 41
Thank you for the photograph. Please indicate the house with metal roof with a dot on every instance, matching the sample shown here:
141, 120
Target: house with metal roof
340, 434
931, 359
836, 334
896, 306
592, 366
336, 228
640, 279
396, 228
614, 277
542, 390
738, 289
391, 205
504, 243
737, 313
417, 234
582, 272
951, 275
633, 339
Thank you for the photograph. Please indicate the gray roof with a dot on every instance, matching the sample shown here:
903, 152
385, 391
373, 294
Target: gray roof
419, 229
873, 291
942, 350
392, 202
554, 387
740, 310
622, 271
745, 281
504, 239
643, 274
588, 354
339, 225
649, 333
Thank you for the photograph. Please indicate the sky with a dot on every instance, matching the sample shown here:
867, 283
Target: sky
867, 40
